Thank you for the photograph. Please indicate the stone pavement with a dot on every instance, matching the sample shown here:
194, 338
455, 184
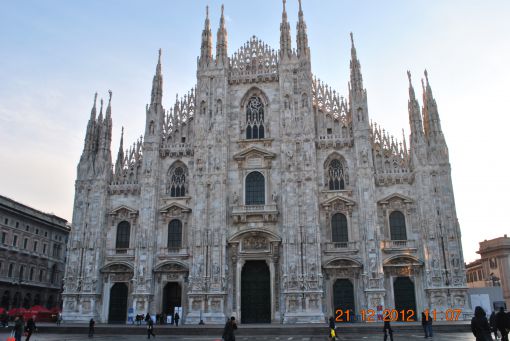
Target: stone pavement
403, 336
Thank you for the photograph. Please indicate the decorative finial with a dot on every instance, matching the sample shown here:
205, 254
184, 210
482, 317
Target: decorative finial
222, 9
159, 55
110, 98
122, 133
409, 77
300, 9
352, 39
207, 12
284, 2
426, 76
95, 98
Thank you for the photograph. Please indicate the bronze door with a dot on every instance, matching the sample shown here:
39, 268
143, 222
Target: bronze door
118, 303
255, 293
343, 298
171, 297
403, 291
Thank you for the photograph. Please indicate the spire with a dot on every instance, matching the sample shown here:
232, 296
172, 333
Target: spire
120, 155
93, 111
356, 77
415, 121
430, 113
285, 40
302, 37
109, 107
206, 47
157, 85
100, 117
91, 128
222, 40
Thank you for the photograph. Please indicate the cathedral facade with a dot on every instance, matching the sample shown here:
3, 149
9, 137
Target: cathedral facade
263, 194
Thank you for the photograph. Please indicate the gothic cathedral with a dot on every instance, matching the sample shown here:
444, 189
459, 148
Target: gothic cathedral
263, 194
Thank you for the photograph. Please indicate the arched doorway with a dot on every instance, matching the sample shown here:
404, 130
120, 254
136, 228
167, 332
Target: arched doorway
118, 303
255, 292
171, 297
343, 296
403, 291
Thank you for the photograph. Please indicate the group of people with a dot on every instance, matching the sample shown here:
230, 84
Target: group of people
498, 322
21, 328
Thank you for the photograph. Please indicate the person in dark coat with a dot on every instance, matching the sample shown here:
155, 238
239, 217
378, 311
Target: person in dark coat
502, 323
18, 328
480, 326
30, 328
147, 318
426, 323
492, 324
228, 331
387, 331
332, 326
92, 323
150, 328
176, 319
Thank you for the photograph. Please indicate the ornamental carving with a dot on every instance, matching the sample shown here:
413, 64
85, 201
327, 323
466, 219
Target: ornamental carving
255, 243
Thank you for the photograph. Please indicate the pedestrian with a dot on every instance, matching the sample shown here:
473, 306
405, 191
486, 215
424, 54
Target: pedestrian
480, 326
228, 331
147, 318
492, 324
332, 329
92, 323
176, 319
387, 330
502, 324
426, 323
30, 328
59, 318
18, 328
150, 329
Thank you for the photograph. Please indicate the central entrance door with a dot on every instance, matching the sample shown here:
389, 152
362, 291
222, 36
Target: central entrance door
118, 303
171, 297
403, 291
343, 298
255, 292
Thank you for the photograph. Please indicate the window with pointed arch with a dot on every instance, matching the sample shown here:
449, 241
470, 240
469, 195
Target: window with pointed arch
177, 186
336, 175
339, 231
174, 234
255, 192
123, 234
398, 226
254, 118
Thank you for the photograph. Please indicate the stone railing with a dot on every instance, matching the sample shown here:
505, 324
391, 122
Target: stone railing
266, 213
120, 252
398, 245
165, 252
329, 141
344, 247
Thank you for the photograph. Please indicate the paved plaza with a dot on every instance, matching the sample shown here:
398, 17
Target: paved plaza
403, 336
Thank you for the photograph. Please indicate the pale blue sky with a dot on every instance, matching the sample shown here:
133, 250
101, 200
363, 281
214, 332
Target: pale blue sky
55, 54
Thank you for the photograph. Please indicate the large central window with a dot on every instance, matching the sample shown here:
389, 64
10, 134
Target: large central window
255, 118
255, 189
397, 226
123, 232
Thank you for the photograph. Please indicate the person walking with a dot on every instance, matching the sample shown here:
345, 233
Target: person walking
92, 324
480, 326
426, 323
502, 324
332, 329
147, 318
30, 328
492, 324
150, 328
387, 331
176, 319
18, 328
59, 318
228, 331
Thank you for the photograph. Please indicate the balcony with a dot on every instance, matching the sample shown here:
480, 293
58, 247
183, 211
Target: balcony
165, 253
255, 213
341, 247
398, 245
120, 253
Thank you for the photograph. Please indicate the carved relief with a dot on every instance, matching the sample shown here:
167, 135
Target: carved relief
255, 243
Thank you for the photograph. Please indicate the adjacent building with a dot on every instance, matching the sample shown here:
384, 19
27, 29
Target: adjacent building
264, 194
32, 256
493, 267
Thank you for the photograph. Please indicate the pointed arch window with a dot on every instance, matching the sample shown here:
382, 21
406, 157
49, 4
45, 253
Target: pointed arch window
255, 118
255, 189
397, 226
123, 234
174, 234
336, 175
339, 229
177, 184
